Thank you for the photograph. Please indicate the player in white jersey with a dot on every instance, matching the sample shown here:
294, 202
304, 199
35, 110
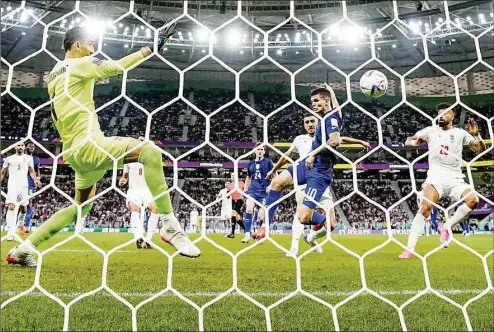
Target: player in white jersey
226, 203
302, 145
17, 165
139, 198
444, 177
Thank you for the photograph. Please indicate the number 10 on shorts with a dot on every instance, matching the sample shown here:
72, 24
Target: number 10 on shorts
311, 192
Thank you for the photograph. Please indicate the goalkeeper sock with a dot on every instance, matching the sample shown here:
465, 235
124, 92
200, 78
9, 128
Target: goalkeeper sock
155, 179
248, 222
20, 220
10, 220
297, 230
136, 225
57, 221
272, 197
152, 226
415, 231
461, 212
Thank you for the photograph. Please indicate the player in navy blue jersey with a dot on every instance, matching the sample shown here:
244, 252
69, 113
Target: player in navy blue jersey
317, 169
31, 188
256, 184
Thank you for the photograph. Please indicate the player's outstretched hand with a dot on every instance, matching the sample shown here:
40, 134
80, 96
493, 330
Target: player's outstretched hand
309, 161
122, 182
37, 183
473, 127
165, 34
366, 145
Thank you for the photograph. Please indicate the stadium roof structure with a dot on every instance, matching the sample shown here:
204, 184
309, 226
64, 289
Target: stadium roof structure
343, 43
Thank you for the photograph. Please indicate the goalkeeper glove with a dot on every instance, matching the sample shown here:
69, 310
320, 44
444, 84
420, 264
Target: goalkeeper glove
165, 34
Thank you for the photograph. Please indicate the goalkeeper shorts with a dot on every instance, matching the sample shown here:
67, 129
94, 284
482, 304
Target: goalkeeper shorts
90, 163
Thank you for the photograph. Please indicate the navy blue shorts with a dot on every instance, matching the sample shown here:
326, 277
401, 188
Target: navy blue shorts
317, 180
301, 172
259, 196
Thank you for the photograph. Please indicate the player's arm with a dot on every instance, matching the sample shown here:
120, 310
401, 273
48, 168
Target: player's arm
97, 68
282, 161
334, 102
333, 141
350, 140
125, 177
477, 143
3, 172
247, 182
33, 176
421, 137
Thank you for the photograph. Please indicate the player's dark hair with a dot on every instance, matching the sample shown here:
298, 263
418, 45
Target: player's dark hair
258, 143
443, 106
321, 90
73, 35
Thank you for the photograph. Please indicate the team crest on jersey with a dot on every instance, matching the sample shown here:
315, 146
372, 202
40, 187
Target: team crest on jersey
452, 138
258, 166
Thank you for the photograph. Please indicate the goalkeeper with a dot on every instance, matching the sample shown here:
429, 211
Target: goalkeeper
76, 122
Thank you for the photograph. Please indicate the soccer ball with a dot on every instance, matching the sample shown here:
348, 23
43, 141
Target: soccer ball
373, 84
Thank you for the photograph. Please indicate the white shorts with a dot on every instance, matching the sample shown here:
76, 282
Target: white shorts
17, 195
226, 214
141, 198
447, 187
326, 200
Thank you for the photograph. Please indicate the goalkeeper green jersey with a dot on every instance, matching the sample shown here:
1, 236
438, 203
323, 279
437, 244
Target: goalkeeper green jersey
73, 116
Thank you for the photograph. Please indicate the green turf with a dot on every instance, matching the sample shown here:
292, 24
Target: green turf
264, 273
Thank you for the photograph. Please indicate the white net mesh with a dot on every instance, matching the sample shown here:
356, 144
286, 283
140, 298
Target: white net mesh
214, 224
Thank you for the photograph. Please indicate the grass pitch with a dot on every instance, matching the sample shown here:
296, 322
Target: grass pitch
264, 273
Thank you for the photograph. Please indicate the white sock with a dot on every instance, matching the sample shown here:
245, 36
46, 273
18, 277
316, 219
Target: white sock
297, 230
152, 225
20, 220
26, 246
79, 225
314, 235
461, 212
10, 220
136, 225
415, 231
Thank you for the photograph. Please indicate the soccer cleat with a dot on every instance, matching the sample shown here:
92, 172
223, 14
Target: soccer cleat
24, 230
259, 234
246, 238
172, 233
293, 252
406, 255
468, 234
318, 249
231, 236
444, 237
15, 256
139, 243
147, 246
9, 238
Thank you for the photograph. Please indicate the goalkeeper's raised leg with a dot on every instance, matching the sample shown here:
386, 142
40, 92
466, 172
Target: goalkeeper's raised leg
79, 70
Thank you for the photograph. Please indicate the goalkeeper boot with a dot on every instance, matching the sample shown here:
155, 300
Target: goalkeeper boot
313, 243
444, 237
16, 256
406, 255
172, 233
